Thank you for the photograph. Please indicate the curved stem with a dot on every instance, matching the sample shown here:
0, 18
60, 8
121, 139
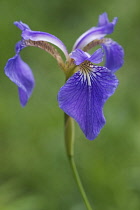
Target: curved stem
80, 186
69, 141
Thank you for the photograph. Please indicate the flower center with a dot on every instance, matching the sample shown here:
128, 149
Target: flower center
86, 68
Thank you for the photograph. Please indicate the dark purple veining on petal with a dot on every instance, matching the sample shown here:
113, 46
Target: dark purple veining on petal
83, 99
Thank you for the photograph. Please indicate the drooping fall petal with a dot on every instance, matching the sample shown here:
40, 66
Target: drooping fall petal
83, 97
20, 73
114, 54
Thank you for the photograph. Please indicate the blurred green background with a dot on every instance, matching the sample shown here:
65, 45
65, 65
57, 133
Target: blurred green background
34, 170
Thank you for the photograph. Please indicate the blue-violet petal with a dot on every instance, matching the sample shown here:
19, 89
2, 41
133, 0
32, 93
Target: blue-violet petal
103, 20
104, 27
20, 73
114, 54
79, 56
22, 26
97, 56
83, 97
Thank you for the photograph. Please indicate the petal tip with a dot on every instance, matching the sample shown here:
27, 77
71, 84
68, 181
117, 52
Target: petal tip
103, 19
22, 26
23, 97
93, 136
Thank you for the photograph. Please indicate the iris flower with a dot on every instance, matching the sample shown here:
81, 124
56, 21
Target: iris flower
88, 85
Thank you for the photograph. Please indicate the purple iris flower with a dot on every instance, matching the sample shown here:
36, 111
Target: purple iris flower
88, 85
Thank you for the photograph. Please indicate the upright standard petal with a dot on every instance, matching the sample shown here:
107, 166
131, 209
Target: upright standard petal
27, 34
80, 56
104, 27
20, 73
97, 56
83, 97
114, 54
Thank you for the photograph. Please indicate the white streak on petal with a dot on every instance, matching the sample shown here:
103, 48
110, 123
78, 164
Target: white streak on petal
88, 79
87, 37
42, 36
104, 27
85, 103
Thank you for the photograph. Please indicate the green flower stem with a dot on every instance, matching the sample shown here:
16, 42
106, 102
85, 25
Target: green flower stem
69, 141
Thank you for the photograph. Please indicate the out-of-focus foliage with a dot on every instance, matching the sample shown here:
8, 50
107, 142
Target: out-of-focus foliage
34, 170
